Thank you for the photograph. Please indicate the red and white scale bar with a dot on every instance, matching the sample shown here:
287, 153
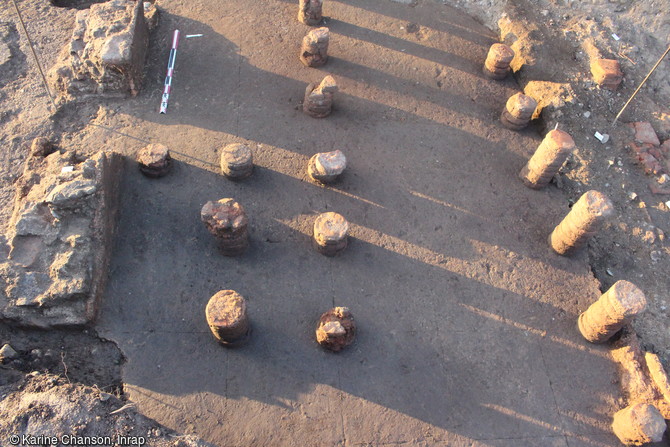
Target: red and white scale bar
170, 70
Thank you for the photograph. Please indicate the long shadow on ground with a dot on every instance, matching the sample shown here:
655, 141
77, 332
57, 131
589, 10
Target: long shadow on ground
467, 320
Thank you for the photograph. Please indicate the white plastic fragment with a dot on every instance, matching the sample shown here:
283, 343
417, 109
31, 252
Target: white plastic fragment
188, 36
587, 114
617, 38
65, 169
603, 138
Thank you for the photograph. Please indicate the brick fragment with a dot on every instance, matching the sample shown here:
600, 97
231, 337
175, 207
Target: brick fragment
645, 133
606, 73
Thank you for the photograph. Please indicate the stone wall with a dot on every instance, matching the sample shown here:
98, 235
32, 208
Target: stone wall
106, 53
60, 239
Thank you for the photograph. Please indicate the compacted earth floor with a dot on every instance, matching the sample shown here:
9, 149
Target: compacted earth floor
467, 319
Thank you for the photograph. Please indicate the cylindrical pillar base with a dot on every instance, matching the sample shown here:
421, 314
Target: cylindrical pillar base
227, 318
330, 233
314, 50
310, 12
318, 101
547, 160
497, 64
227, 222
518, 111
325, 167
639, 424
614, 308
336, 329
583, 221
237, 161
154, 160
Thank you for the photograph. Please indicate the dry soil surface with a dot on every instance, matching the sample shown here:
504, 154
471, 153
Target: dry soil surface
443, 232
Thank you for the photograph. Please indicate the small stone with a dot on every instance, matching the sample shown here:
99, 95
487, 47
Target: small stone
665, 178
318, 101
237, 161
645, 134
5, 53
326, 166
640, 148
150, 15
7, 352
227, 318
587, 114
606, 73
154, 160
336, 329
333, 328
41, 147
116, 49
34, 219
69, 195
330, 233
650, 163
314, 50
227, 222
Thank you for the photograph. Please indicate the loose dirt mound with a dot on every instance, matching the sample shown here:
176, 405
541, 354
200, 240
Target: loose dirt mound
40, 408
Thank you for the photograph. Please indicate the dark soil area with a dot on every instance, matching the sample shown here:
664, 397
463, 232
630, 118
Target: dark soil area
79, 356
459, 303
